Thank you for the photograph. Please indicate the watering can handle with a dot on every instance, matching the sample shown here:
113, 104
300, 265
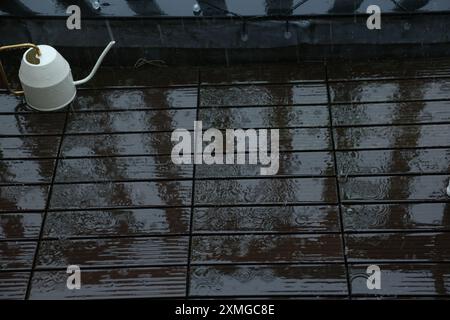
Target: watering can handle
3, 76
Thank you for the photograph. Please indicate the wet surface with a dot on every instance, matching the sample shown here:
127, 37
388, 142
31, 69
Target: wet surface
112, 283
364, 166
407, 279
266, 219
263, 280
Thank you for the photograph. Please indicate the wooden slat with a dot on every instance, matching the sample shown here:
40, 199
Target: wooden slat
20, 225
258, 95
266, 219
268, 280
160, 143
391, 113
416, 247
298, 139
13, 285
16, 255
113, 252
102, 195
117, 144
264, 191
304, 139
145, 99
361, 70
28, 147
23, 198
26, 171
120, 168
392, 90
111, 284
290, 164
397, 188
393, 137
405, 279
125, 76
31, 123
396, 217
266, 73
11, 103
130, 121
265, 117
266, 249
125, 222
394, 161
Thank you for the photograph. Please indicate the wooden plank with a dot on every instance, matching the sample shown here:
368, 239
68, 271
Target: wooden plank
159, 143
113, 252
117, 144
112, 284
31, 124
13, 285
120, 168
26, 171
396, 217
123, 222
20, 225
417, 247
260, 95
397, 188
391, 113
16, 255
411, 68
265, 117
264, 73
106, 195
301, 139
275, 280
264, 191
130, 121
290, 164
266, 249
305, 139
117, 76
11, 103
266, 219
28, 147
139, 99
417, 161
405, 279
391, 90
393, 137
14, 198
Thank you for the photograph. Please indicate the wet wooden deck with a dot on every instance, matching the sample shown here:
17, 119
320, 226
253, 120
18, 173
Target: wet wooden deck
364, 164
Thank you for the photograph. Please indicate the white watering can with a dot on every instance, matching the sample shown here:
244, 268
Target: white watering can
46, 77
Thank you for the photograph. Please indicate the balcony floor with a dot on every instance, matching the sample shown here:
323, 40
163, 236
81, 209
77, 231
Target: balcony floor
364, 165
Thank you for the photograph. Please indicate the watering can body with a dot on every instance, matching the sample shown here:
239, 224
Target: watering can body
46, 77
48, 85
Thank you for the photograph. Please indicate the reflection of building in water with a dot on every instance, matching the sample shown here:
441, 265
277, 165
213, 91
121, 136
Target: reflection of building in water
145, 8
15, 7
345, 6
279, 7
213, 7
86, 6
412, 4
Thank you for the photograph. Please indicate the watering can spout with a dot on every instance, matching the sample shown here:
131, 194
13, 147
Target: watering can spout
97, 65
